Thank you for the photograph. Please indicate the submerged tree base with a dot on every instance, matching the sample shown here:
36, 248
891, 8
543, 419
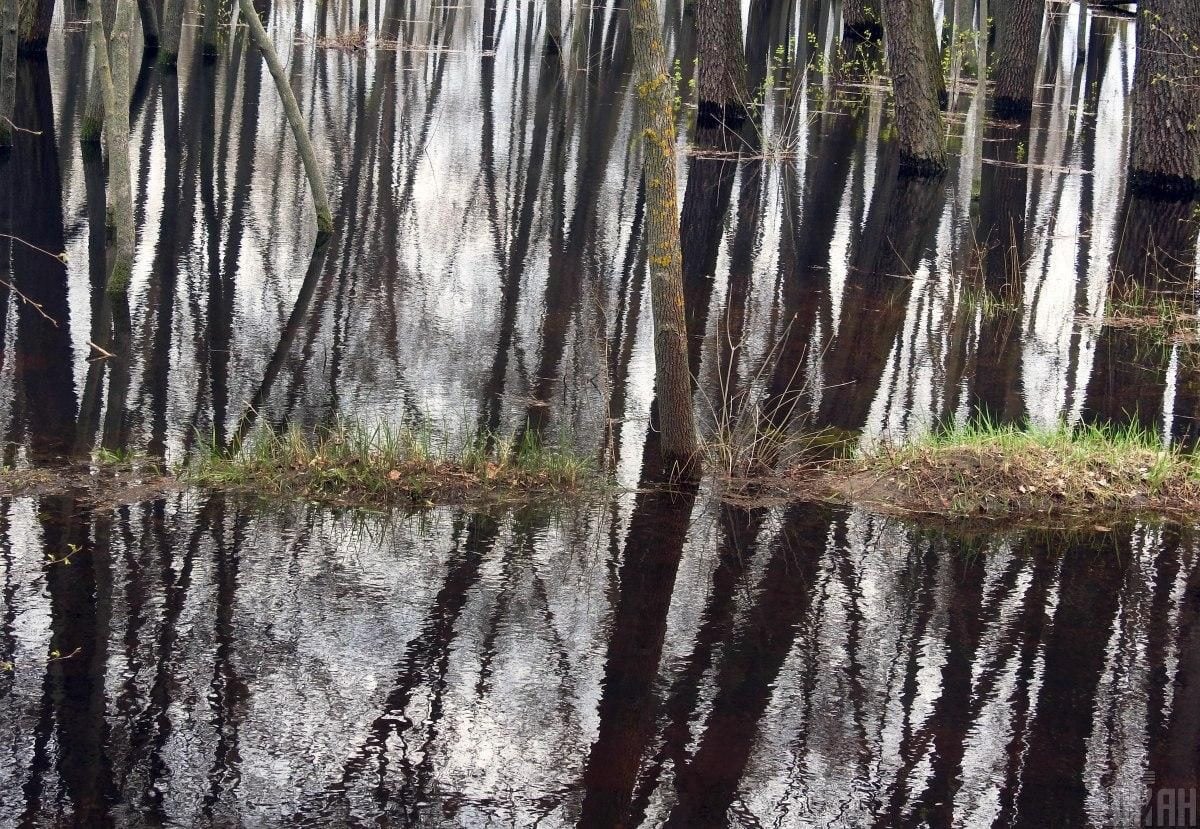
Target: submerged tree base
381, 466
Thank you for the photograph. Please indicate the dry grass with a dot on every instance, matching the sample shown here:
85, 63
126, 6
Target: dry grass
348, 464
990, 471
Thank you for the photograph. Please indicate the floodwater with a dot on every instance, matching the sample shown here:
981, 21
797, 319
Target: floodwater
655, 658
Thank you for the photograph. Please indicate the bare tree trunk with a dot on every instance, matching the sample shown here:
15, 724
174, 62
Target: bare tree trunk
33, 27
1164, 156
861, 20
209, 36
673, 383
8, 69
112, 66
92, 126
150, 32
172, 26
1018, 36
316, 181
722, 73
916, 73
553, 26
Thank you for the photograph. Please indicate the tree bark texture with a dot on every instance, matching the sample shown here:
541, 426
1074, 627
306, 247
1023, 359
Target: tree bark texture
209, 32
721, 81
33, 28
861, 20
316, 181
150, 31
1018, 37
8, 69
112, 59
92, 126
673, 382
916, 80
172, 27
1164, 154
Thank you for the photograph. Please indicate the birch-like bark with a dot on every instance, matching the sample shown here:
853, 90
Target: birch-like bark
316, 181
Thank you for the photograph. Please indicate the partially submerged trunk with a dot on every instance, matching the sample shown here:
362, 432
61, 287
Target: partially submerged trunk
673, 382
316, 181
33, 27
1164, 154
92, 126
210, 12
916, 83
1018, 37
721, 81
111, 56
8, 69
861, 20
150, 32
172, 26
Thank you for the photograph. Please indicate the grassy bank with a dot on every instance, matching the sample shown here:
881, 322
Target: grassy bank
984, 470
357, 465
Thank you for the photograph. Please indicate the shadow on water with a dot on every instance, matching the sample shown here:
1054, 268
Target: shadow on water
655, 658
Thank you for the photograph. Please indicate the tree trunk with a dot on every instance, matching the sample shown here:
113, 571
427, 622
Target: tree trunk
172, 26
1018, 36
722, 73
316, 181
553, 26
673, 383
33, 28
209, 36
1164, 156
112, 62
861, 20
92, 126
916, 74
150, 33
8, 69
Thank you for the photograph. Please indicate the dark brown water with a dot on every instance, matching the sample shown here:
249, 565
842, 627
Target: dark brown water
650, 660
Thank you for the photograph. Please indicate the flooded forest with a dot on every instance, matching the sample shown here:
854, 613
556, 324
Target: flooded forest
606, 226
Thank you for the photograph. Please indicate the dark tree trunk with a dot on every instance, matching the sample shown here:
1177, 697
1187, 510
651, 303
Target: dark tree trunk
149, 16
1164, 155
34, 25
8, 69
1018, 33
916, 82
656, 114
861, 20
721, 84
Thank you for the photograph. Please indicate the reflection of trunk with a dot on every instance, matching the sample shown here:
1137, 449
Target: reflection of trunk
116, 427
1175, 759
44, 357
721, 85
899, 227
1164, 143
1052, 790
80, 608
1018, 35
1004, 182
705, 203
656, 114
861, 20
1155, 255
708, 783
916, 82
653, 547
739, 533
